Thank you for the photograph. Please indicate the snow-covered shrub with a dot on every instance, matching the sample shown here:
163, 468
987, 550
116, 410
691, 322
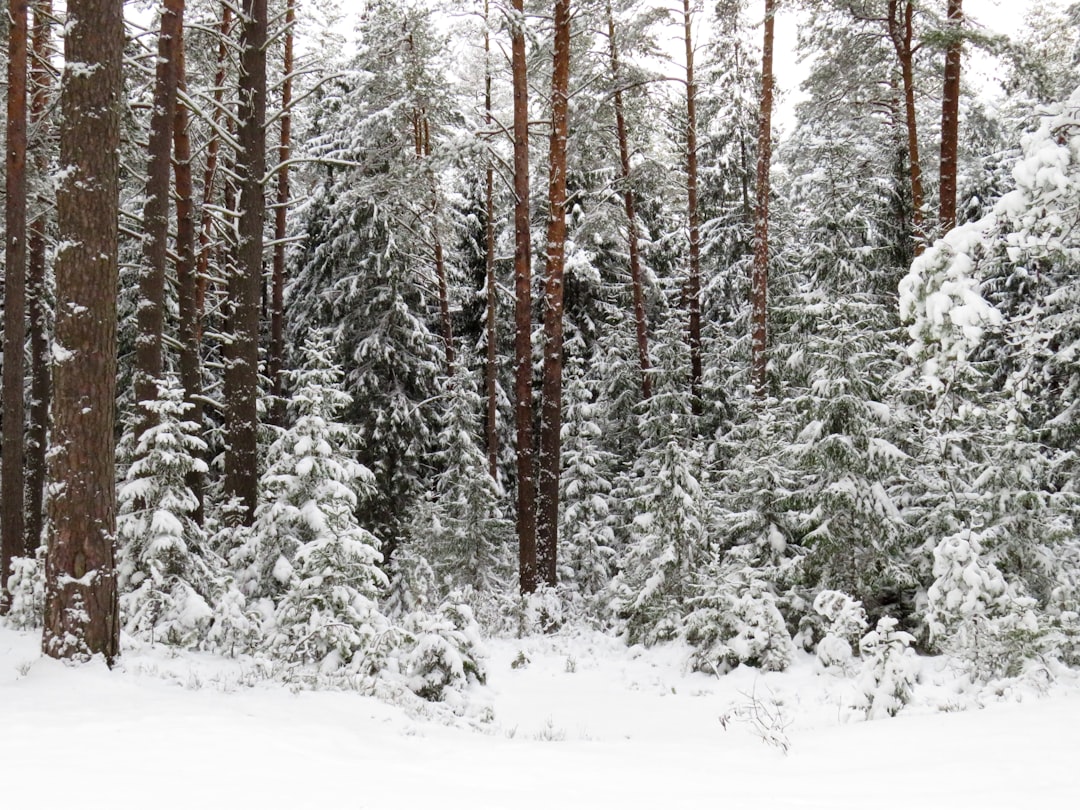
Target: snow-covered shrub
165, 570
26, 587
735, 621
888, 672
973, 613
542, 611
845, 623
306, 551
649, 594
461, 528
441, 652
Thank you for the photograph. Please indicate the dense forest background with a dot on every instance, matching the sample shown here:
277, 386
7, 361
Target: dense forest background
378, 393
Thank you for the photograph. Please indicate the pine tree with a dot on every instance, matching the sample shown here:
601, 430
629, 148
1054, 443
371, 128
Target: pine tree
166, 574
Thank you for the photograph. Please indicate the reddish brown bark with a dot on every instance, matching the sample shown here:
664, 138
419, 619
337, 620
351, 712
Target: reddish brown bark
276, 355
901, 33
81, 611
36, 280
523, 410
242, 370
950, 117
759, 284
151, 308
491, 368
186, 282
551, 407
12, 516
640, 323
693, 285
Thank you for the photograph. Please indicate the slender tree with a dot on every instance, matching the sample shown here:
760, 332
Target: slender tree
186, 280
693, 284
81, 614
901, 31
950, 116
213, 151
491, 367
759, 293
551, 403
151, 308
242, 371
276, 355
36, 278
12, 521
629, 204
526, 495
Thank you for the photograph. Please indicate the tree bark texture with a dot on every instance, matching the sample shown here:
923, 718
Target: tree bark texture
12, 516
186, 280
151, 307
242, 371
81, 612
759, 285
551, 401
523, 410
950, 117
693, 284
901, 32
491, 367
276, 355
640, 322
36, 279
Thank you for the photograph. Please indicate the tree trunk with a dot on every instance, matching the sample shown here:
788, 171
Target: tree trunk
551, 408
37, 283
526, 495
276, 355
491, 368
213, 149
693, 286
950, 117
151, 307
186, 281
242, 371
81, 611
424, 142
759, 293
640, 322
12, 517
901, 33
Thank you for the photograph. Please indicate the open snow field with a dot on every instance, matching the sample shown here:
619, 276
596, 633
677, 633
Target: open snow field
587, 723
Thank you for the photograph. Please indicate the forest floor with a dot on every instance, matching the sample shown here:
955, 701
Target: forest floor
585, 723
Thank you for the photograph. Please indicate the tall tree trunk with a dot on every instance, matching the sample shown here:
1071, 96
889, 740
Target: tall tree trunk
276, 355
36, 280
491, 367
693, 286
242, 372
151, 308
759, 293
81, 611
445, 321
640, 322
12, 515
523, 410
186, 281
901, 31
213, 149
950, 116
551, 408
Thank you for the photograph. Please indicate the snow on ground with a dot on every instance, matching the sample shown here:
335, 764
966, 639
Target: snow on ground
585, 723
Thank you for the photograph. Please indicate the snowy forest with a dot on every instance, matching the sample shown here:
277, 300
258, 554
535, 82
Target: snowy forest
343, 338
